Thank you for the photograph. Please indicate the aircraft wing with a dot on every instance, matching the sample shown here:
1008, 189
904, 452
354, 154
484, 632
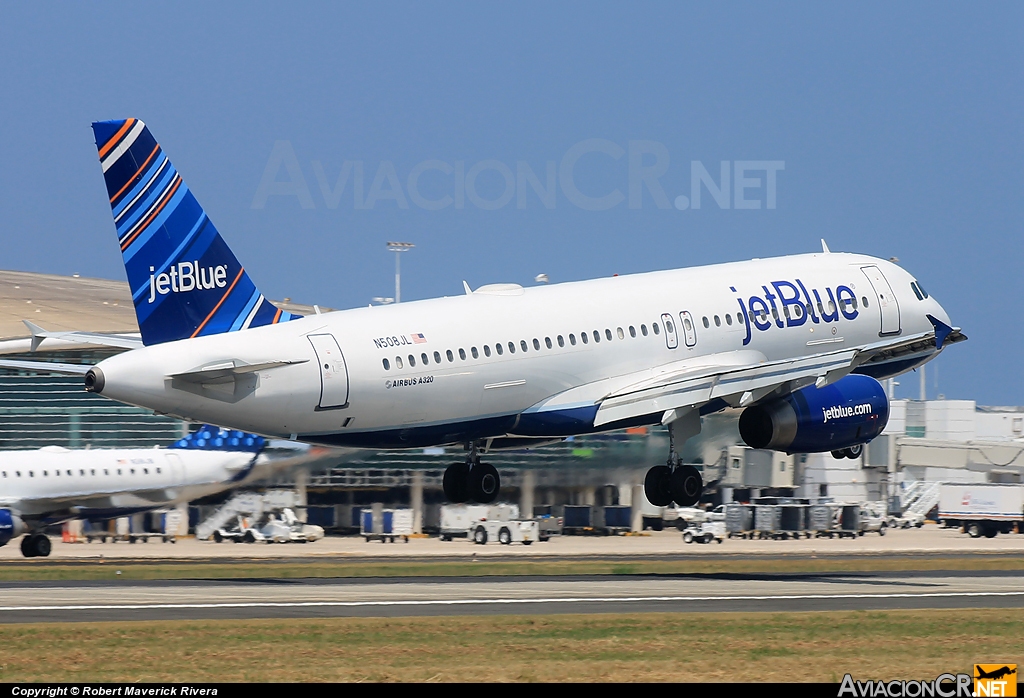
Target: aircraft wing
744, 377
229, 369
123, 341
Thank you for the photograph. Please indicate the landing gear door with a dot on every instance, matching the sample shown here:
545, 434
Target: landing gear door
671, 338
887, 305
689, 330
333, 372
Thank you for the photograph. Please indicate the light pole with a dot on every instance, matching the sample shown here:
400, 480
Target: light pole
398, 247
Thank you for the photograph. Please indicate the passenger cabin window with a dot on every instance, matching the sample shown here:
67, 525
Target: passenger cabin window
387, 365
474, 352
547, 342
498, 348
511, 347
450, 356
620, 333
597, 336
632, 331
864, 301
718, 321
643, 330
412, 361
487, 350
706, 323
572, 339
561, 341
462, 354
522, 344
425, 359
728, 319
583, 336
437, 357
608, 334
654, 326
536, 344
398, 361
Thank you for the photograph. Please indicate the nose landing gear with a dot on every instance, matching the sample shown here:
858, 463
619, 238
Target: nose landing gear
471, 481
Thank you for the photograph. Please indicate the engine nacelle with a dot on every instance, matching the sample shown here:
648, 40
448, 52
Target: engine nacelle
11, 526
851, 411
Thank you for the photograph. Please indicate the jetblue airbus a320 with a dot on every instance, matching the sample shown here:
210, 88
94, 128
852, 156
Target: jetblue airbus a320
798, 342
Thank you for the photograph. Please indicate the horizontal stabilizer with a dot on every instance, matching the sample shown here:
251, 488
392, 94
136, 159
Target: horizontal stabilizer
123, 341
45, 367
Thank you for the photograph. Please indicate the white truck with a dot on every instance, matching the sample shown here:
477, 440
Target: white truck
457, 520
982, 509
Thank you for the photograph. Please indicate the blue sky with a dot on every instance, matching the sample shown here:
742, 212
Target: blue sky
890, 130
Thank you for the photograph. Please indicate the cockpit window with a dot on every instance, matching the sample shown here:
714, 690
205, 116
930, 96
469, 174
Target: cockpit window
916, 290
923, 292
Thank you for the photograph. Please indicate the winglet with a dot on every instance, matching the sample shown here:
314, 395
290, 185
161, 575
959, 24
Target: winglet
824, 247
466, 286
38, 334
942, 330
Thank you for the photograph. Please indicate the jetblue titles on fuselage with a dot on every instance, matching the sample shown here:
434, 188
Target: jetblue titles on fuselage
794, 306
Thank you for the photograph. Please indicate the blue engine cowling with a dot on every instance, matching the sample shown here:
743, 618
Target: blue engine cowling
851, 411
11, 526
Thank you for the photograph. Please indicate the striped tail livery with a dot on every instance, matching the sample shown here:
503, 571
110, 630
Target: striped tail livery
184, 279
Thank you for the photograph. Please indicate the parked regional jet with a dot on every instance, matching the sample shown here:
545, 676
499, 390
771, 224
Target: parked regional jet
54, 484
798, 342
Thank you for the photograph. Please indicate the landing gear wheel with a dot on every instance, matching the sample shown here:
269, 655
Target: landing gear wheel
686, 485
36, 545
454, 483
505, 536
484, 483
839, 455
853, 452
657, 486
480, 536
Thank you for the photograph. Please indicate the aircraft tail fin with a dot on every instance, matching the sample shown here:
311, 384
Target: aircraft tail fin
185, 281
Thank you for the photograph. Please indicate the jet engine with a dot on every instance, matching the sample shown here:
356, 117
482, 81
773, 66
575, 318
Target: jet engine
844, 415
11, 526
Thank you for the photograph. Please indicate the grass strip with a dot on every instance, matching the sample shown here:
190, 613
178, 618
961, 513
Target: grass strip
663, 647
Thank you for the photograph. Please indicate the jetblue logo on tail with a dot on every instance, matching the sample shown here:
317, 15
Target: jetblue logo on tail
187, 276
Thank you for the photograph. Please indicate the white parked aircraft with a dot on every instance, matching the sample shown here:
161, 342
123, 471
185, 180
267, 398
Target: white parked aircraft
54, 484
799, 342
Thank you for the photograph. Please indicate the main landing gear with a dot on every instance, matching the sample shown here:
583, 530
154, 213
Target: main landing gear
673, 482
35, 545
471, 481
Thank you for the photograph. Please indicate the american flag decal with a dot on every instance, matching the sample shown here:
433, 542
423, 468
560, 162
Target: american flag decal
419, 339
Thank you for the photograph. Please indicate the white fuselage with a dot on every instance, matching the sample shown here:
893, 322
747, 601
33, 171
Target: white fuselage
58, 483
389, 382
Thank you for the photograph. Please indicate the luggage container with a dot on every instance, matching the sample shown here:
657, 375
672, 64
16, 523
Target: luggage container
793, 520
617, 518
392, 523
821, 520
578, 519
849, 521
739, 520
766, 520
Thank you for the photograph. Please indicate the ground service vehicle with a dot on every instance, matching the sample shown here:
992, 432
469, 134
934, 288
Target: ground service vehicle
983, 509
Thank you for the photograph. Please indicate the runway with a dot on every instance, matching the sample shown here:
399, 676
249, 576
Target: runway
24, 602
